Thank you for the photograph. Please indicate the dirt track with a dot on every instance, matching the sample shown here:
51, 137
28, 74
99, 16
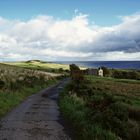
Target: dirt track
37, 118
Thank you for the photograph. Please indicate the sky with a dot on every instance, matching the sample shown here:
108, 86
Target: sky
60, 30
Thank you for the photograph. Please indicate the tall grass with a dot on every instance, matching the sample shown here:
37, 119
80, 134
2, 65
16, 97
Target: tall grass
18, 83
102, 108
75, 110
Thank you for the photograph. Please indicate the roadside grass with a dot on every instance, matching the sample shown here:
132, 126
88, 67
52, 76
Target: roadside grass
74, 109
17, 83
10, 99
110, 111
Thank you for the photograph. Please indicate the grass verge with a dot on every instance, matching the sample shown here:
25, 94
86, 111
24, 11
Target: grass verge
101, 110
74, 109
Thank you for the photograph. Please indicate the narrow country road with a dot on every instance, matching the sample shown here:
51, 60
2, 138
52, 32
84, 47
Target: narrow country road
37, 118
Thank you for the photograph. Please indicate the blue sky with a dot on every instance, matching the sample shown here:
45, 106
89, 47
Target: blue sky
102, 12
70, 30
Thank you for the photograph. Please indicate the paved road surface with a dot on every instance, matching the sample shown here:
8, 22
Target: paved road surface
38, 118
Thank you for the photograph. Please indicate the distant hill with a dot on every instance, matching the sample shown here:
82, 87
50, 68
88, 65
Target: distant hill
40, 65
32, 61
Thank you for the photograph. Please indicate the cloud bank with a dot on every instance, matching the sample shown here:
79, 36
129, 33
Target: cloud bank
48, 38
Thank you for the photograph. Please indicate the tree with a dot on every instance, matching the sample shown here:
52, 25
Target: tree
60, 70
77, 75
106, 71
74, 67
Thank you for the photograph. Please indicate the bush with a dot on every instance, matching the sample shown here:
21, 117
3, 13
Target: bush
84, 89
134, 113
106, 71
126, 74
112, 115
2, 84
77, 76
60, 70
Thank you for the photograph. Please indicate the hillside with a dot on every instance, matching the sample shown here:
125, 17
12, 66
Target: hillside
40, 65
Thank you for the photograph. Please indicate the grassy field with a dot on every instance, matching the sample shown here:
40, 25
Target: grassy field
40, 65
99, 108
43, 66
103, 108
121, 88
17, 83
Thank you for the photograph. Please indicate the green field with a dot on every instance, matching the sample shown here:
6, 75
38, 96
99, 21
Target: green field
121, 88
39, 65
43, 66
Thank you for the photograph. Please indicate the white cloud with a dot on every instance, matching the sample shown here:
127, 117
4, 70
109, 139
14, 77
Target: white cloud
45, 37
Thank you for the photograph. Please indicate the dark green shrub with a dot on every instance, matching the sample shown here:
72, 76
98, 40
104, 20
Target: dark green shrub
126, 74
2, 84
112, 115
134, 132
134, 113
106, 71
117, 74
60, 70
32, 80
100, 102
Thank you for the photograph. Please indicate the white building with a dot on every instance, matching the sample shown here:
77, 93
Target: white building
97, 72
100, 72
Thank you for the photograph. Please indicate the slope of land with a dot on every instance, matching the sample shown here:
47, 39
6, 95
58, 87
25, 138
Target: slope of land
40, 65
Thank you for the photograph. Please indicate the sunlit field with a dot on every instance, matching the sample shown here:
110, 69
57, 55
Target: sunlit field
36, 64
